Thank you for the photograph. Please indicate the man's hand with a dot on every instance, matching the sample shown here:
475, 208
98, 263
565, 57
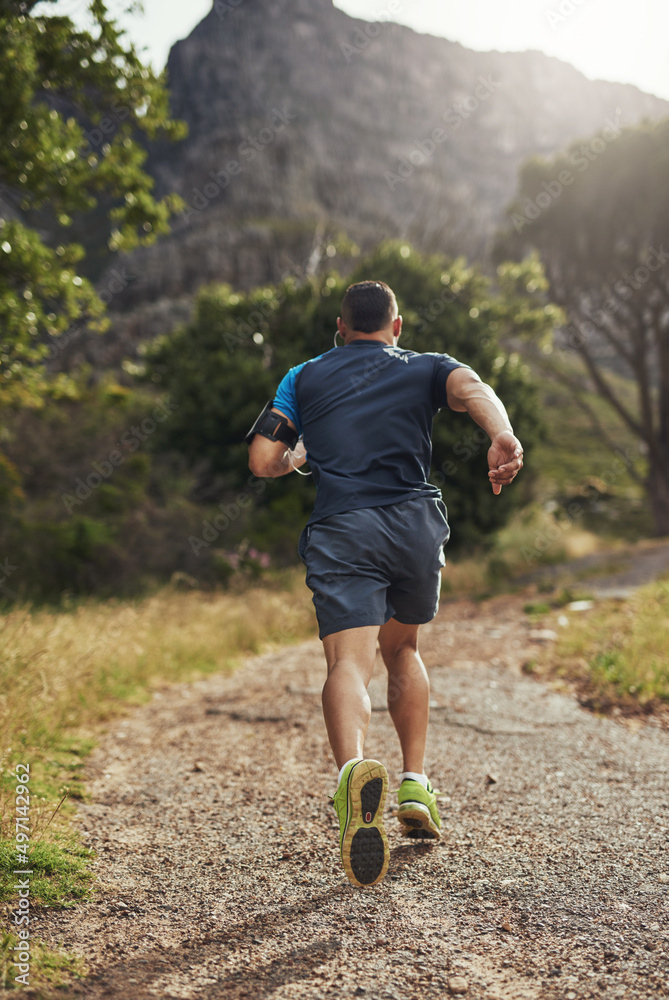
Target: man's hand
466, 391
505, 460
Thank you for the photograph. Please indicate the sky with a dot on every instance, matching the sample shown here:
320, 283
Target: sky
618, 40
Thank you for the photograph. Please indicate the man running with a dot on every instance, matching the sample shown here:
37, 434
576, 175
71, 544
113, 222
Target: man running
373, 546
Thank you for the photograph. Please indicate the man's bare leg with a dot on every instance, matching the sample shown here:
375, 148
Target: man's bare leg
408, 690
361, 794
409, 706
350, 656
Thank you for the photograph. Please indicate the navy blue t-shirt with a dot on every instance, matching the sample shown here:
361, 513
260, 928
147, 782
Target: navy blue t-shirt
366, 412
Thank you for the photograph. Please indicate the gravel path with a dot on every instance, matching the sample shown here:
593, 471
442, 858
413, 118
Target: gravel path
616, 573
217, 846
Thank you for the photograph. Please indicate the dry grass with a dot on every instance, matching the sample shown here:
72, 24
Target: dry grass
62, 674
62, 670
533, 537
617, 654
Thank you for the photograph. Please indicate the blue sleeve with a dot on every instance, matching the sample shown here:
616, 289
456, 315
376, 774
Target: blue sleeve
285, 398
444, 364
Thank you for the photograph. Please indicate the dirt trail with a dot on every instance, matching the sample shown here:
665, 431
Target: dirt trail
616, 573
217, 846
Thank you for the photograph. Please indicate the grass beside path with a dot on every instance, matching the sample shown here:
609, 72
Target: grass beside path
617, 654
65, 673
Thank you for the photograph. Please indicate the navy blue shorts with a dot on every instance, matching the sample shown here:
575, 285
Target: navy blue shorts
367, 566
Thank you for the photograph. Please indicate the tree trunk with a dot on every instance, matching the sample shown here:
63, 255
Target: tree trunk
658, 493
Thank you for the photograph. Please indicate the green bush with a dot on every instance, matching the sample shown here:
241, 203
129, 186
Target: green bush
65, 533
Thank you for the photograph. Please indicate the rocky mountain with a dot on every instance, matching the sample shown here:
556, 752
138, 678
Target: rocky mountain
305, 123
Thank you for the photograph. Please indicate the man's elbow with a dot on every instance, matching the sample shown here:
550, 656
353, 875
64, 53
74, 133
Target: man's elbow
257, 467
265, 468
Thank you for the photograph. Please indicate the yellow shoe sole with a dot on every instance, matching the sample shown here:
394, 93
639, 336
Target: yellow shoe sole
414, 816
364, 847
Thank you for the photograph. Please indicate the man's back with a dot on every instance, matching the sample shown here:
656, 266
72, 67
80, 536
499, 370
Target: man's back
366, 413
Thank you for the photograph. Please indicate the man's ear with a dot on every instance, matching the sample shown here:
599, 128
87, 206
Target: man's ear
397, 327
343, 329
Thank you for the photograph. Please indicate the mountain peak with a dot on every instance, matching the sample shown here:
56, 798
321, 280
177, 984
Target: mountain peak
305, 121
227, 8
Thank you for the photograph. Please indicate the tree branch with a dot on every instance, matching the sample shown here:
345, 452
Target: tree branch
618, 346
599, 428
609, 396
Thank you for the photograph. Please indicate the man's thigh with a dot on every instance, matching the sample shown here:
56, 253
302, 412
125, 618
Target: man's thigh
395, 636
355, 647
415, 584
345, 572
367, 566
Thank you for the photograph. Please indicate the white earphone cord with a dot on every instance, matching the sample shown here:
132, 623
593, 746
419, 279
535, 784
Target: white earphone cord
295, 468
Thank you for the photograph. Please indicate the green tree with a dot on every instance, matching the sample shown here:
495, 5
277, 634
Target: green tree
598, 214
227, 362
73, 104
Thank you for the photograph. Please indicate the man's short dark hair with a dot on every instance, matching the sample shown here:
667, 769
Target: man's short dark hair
368, 306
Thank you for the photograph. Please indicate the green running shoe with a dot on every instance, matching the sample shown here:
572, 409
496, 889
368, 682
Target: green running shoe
359, 803
418, 809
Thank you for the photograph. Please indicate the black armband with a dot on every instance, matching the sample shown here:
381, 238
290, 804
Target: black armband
273, 426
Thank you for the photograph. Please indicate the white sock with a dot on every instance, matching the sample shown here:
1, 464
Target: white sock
420, 778
346, 765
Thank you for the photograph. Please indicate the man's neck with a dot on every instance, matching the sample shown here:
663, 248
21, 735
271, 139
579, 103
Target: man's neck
383, 336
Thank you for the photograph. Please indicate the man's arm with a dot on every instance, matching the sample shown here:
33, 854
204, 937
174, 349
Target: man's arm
270, 459
466, 393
